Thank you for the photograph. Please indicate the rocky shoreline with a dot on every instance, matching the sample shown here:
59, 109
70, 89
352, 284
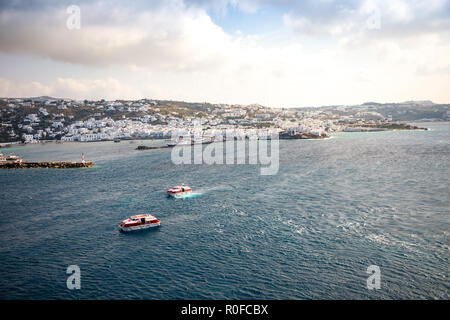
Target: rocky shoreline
303, 136
387, 127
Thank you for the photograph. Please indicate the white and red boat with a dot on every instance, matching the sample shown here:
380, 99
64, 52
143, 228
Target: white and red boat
179, 190
139, 222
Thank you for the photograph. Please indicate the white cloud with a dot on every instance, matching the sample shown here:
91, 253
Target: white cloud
9, 88
108, 88
399, 18
176, 51
164, 38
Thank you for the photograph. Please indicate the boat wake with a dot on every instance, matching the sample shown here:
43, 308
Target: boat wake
188, 196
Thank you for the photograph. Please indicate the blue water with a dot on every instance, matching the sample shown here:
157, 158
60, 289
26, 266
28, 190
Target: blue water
335, 207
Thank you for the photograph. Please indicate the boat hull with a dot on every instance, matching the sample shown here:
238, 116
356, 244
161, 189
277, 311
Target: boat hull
173, 195
141, 227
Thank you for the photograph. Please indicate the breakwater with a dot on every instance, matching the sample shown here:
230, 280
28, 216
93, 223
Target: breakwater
46, 164
301, 135
151, 148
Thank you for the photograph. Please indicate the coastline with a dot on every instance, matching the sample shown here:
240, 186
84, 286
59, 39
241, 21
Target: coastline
299, 136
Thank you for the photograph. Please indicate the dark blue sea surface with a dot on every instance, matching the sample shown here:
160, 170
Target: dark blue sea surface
335, 207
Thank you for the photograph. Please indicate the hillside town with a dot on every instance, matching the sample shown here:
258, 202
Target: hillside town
33, 120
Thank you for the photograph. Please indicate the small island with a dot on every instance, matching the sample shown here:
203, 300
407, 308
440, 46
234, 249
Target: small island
384, 126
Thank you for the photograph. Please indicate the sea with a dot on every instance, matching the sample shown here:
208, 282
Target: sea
335, 208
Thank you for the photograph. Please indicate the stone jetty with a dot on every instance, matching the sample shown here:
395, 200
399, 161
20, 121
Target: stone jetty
47, 164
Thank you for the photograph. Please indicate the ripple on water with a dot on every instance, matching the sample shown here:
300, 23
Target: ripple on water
310, 232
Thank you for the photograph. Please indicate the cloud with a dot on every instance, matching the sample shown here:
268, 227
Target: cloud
175, 50
247, 6
9, 88
181, 36
108, 88
425, 70
172, 37
397, 18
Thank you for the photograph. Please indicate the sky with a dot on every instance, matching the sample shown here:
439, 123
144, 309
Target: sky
278, 53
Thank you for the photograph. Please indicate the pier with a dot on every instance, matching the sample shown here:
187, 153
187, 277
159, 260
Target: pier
46, 164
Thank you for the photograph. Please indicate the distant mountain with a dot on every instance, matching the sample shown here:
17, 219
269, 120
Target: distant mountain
411, 102
42, 98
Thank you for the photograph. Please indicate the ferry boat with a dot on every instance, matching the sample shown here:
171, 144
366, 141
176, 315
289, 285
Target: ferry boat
139, 222
178, 190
